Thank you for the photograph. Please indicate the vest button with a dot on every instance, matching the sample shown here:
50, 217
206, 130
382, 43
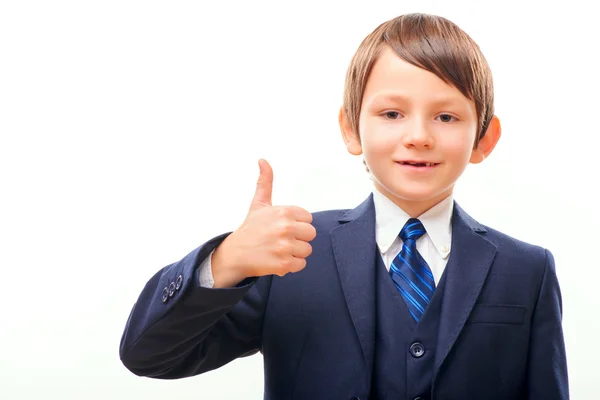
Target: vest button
417, 350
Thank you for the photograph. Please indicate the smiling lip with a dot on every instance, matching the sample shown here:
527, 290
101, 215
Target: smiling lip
418, 164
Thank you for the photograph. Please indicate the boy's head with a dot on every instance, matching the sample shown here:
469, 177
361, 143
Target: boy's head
418, 91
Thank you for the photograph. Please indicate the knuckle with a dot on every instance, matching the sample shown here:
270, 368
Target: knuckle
286, 229
283, 212
283, 248
286, 264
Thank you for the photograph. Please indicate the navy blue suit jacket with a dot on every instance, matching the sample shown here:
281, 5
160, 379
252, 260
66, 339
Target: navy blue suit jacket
499, 330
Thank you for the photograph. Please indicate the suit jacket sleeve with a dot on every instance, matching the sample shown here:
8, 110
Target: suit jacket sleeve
196, 329
547, 367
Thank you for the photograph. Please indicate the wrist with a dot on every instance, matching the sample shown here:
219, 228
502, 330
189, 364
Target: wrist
226, 270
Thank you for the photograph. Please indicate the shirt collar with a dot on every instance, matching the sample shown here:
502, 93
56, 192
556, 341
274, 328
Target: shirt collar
389, 220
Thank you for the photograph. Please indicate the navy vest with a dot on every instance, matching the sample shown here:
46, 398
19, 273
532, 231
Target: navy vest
404, 350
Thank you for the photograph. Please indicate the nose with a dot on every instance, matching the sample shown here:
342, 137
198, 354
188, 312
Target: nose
417, 135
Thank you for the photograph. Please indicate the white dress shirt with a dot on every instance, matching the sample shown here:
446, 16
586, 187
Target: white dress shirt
434, 245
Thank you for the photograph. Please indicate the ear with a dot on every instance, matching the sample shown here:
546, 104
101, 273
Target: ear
351, 139
488, 142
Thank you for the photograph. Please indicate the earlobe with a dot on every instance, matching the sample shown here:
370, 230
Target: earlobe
488, 142
351, 139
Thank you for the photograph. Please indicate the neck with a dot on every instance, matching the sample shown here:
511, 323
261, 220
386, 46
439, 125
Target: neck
415, 207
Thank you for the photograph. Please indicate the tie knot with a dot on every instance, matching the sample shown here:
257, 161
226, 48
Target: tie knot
413, 229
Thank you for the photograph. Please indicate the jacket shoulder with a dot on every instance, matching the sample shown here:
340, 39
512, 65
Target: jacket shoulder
516, 249
327, 218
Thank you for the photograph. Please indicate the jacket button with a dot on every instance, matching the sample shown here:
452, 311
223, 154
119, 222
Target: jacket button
165, 295
171, 289
179, 282
355, 398
417, 350
419, 398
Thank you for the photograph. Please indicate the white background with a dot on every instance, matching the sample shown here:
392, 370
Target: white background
130, 134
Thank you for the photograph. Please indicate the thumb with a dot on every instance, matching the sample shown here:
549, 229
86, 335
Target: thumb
264, 186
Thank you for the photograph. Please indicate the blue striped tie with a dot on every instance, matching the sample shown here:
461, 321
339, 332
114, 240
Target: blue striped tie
410, 272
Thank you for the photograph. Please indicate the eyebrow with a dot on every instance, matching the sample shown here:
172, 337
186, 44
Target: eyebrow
397, 98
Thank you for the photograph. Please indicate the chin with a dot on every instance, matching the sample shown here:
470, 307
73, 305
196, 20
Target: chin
416, 194
416, 197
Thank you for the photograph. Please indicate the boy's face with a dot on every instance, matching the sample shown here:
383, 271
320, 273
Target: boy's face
416, 133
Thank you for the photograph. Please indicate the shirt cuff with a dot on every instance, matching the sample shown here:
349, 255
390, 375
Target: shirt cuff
205, 272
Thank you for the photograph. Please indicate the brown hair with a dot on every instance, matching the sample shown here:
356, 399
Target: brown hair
434, 44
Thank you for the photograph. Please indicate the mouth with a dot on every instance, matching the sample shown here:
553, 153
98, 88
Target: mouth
418, 164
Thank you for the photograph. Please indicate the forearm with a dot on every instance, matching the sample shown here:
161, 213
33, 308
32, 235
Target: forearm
182, 335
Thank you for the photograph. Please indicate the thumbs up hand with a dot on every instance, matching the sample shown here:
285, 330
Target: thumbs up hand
272, 240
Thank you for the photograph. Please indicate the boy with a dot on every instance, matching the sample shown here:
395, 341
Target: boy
403, 297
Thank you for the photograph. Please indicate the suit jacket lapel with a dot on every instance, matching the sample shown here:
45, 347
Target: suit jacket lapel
355, 250
470, 260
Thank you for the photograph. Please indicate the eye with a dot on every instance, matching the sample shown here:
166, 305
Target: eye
447, 118
391, 115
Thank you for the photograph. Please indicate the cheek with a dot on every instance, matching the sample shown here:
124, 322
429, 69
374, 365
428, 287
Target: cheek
377, 148
377, 139
458, 148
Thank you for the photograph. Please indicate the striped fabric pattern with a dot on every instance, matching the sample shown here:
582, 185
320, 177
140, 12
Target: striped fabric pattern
410, 272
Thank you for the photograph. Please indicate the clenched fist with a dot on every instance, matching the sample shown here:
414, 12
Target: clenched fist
272, 240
